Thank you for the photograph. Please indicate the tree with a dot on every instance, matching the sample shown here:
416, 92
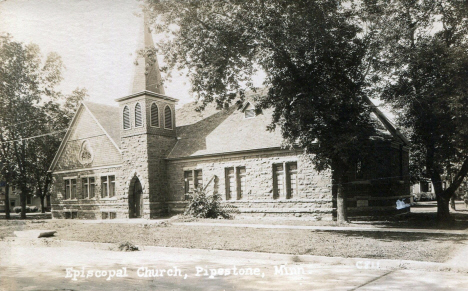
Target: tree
311, 51
54, 117
5, 173
32, 121
423, 70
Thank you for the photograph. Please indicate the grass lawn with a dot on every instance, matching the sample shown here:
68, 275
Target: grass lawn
376, 245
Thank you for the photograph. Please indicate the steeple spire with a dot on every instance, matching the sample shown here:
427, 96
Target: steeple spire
147, 76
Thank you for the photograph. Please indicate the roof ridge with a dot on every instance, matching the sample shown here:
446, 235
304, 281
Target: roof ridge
386, 122
97, 103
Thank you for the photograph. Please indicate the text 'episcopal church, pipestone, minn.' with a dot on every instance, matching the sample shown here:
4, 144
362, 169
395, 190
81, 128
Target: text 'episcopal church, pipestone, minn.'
141, 158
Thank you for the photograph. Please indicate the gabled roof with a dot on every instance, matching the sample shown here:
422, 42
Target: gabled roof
389, 126
107, 117
216, 132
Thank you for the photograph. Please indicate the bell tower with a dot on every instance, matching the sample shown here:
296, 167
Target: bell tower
148, 132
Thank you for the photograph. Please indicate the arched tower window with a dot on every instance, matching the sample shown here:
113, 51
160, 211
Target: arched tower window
154, 115
138, 121
126, 118
167, 117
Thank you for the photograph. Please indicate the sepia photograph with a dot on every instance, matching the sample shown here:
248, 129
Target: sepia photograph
233, 145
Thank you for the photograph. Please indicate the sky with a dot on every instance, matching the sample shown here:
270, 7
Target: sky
97, 40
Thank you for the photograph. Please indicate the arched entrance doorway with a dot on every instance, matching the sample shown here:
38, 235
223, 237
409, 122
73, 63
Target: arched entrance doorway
135, 201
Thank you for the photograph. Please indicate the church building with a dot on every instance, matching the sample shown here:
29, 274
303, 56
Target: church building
142, 157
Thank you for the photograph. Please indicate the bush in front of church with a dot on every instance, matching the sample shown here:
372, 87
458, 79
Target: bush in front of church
202, 205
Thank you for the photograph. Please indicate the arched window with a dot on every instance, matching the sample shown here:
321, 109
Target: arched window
154, 115
138, 121
126, 118
167, 117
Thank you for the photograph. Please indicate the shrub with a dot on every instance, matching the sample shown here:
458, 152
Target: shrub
17, 209
127, 247
202, 205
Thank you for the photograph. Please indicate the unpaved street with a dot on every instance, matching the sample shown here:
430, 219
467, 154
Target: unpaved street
49, 264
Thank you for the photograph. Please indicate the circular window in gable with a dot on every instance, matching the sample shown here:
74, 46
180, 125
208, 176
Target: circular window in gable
86, 155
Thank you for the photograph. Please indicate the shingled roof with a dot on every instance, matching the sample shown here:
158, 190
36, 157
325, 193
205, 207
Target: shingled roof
226, 131
108, 117
220, 131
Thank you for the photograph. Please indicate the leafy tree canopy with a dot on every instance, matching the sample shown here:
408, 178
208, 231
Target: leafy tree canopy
422, 70
311, 51
33, 115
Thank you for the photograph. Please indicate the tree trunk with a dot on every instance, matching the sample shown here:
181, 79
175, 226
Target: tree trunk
443, 212
341, 203
23, 203
42, 203
7, 201
443, 196
48, 201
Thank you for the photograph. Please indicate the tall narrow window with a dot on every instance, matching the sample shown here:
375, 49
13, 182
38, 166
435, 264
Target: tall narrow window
67, 189
126, 118
278, 181
154, 115
291, 180
138, 120
285, 180
167, 117
198, 178
92, 186
87, 187
188, 179
235, 182
108, 186
230, 180
73, 189
104, 187
70, 189
240, 182
111, 186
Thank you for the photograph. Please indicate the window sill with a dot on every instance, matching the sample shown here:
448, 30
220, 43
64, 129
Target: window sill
108, 198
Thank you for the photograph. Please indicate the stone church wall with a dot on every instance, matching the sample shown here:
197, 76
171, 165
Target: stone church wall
313, 197
88, 208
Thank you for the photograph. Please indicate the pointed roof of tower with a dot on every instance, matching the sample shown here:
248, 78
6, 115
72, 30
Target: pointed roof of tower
147, 76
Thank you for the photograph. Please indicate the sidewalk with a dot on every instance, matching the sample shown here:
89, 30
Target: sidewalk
146, 253
328, 228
